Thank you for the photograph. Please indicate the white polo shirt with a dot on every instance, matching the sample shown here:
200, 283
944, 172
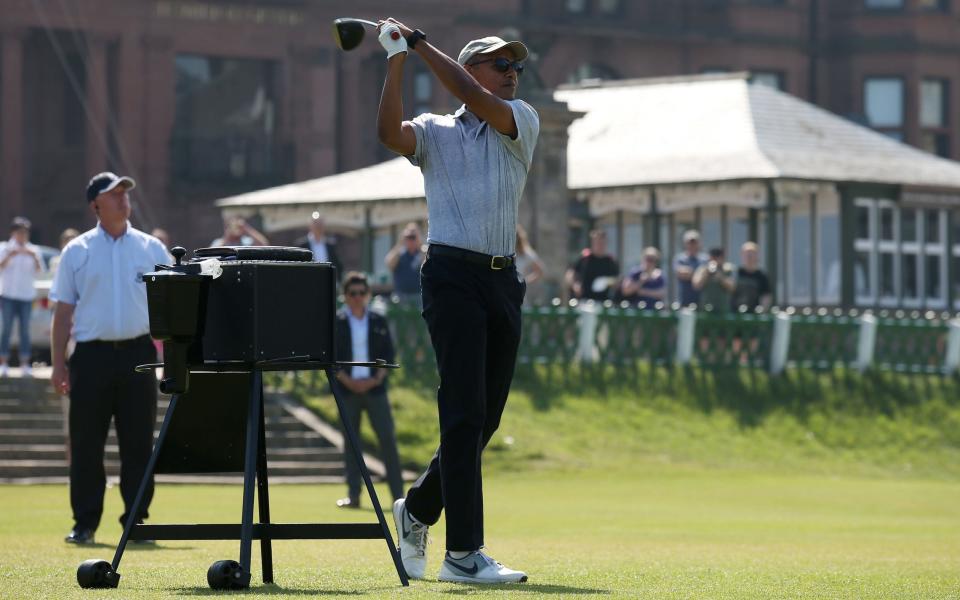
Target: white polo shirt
319, 248
17, 277
103, 278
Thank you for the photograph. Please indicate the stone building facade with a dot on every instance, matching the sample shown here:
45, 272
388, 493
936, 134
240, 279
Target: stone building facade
202, 99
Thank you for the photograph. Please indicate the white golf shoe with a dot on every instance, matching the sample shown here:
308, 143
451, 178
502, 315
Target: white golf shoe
477, 567
413, 537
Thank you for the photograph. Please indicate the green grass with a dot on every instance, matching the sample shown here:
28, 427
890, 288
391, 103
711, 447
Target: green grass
874, 425
662, 484
652, 532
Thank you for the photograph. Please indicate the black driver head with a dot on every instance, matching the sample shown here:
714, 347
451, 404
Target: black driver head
347, 33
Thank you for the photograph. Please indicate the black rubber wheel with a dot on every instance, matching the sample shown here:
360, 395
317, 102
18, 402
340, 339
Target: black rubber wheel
227, 575
95, 573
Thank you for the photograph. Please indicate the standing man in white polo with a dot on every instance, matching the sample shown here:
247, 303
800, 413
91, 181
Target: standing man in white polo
474, 165
102, 300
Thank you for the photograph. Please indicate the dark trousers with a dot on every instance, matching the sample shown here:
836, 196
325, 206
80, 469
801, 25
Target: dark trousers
104, 385
377, 407
473, 314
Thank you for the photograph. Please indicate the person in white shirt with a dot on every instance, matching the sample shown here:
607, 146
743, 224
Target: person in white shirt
19, 264
362, 335
317, 241
102, 301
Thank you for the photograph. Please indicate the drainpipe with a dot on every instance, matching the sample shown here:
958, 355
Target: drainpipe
813, 41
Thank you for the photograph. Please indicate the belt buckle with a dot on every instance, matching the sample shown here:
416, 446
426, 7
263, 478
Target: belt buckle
493, 262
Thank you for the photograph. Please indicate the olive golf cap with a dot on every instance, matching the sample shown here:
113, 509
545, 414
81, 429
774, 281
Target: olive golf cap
106, 181
492, 44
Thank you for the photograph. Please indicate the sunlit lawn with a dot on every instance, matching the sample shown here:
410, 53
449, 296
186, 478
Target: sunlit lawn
652, 532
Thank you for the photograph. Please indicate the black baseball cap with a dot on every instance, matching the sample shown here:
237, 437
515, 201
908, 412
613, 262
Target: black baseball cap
106, 181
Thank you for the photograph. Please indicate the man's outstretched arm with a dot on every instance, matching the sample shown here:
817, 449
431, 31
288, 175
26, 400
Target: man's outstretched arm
460, 83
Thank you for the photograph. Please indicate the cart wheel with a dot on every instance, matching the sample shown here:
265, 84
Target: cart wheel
95, 573
227, 575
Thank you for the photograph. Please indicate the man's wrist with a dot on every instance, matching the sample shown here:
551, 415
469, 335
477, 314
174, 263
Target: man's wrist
415, 36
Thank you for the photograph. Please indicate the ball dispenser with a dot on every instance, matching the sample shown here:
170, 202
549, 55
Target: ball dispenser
226, 316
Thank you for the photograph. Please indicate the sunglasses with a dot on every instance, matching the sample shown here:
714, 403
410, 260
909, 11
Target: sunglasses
502, 65
356, 293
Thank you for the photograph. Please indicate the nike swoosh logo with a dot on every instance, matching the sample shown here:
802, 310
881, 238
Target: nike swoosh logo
471, 571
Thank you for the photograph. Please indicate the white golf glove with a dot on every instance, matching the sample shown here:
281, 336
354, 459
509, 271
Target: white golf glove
391, 40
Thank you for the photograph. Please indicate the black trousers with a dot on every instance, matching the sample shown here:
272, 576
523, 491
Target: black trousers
104, 385
473, 315
377, 407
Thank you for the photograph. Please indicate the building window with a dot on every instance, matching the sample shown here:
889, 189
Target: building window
632, 240
224, 121
864, 265
422, 92
884, 4
933, 276
800, 252
608, 7
935, 133
828, 250
738, 231
888, 276
772, 79
587, 71
934, 5
711, 227
910, 255
900, 255
955, 263
779, 222
883, 105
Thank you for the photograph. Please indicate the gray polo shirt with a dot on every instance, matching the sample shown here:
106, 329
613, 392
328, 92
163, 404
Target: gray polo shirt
473, 176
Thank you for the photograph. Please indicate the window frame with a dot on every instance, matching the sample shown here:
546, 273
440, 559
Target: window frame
819, 214
943, 130
779, 74
867, 245
869, 6
894, 131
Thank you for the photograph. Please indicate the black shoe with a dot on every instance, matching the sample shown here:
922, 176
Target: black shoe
80, 536
348, 503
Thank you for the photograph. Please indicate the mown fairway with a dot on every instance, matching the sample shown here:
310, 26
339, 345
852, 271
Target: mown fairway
679, 485
657, 532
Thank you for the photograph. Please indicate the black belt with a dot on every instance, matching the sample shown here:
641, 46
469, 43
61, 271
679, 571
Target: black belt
118, 344
494, 263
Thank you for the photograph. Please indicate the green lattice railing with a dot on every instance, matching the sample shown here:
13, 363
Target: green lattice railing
623, 338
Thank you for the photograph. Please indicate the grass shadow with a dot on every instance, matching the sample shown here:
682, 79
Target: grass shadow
272, 589
467, 589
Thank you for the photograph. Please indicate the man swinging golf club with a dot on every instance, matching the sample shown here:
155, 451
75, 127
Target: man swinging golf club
474, 165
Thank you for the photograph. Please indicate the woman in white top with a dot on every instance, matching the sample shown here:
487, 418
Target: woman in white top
19, 264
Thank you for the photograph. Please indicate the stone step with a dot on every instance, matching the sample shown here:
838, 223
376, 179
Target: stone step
58, 452
24, 468
50, 433
29, 451
46, 435
30, 420
11, 406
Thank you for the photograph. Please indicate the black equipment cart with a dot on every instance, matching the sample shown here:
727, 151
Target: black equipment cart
225, 317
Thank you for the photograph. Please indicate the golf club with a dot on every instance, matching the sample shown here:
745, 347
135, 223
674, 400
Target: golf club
348, 33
